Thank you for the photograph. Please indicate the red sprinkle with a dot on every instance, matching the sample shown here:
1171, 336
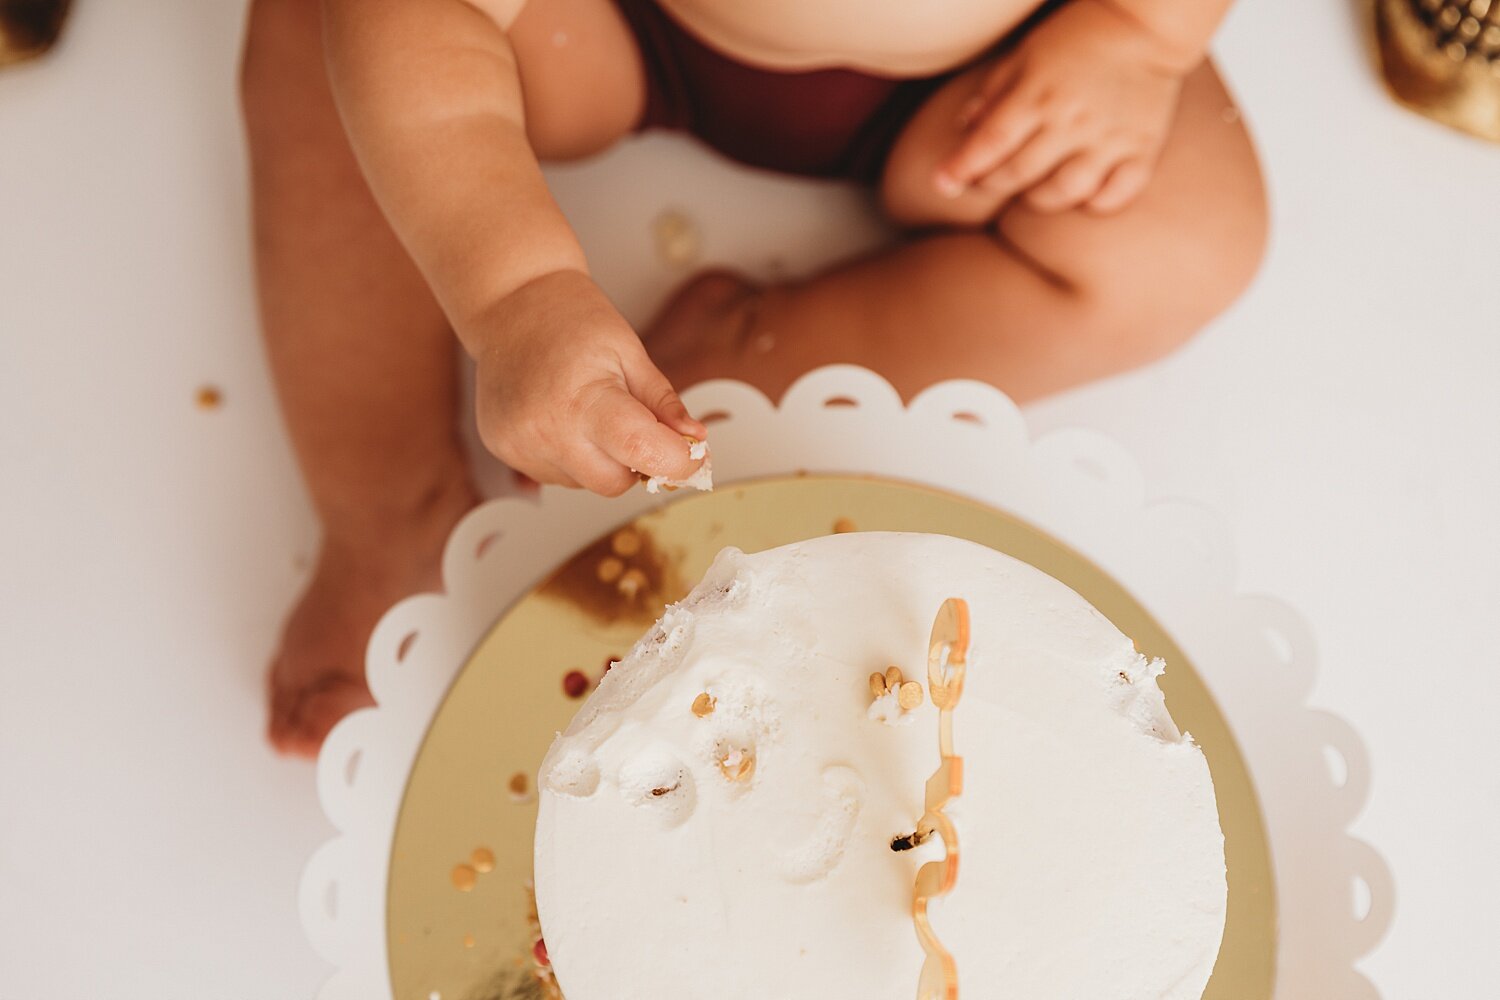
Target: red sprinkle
575, 684
539, 952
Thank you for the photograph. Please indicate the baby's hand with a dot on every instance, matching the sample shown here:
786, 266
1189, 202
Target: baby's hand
1074, 116
566, 393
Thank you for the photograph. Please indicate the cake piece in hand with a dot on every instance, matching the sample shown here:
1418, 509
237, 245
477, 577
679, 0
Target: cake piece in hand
702, 479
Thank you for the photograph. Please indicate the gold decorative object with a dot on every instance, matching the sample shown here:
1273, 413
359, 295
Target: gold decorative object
1442, 59
737, 764
947, 662
29, 28
506, 705
703, 705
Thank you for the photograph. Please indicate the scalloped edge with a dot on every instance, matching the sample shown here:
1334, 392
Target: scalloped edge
966, 437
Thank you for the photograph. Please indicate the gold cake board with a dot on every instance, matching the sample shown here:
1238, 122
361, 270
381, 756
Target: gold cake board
462, 932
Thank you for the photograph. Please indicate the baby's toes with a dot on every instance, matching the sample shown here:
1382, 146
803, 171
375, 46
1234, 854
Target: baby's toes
302, 715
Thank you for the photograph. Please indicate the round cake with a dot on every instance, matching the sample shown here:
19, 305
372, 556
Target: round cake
726, 817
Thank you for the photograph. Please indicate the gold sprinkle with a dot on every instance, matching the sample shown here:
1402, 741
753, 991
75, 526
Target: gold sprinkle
893, 678
703, 705
519, 786
843, 526
737, 765
468, 940
609, 569
483, 860
464, 878
677, 241
626, 542
632, 583
878, 687
209, 397
909, 695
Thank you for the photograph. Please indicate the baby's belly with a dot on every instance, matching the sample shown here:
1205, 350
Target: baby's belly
883, 37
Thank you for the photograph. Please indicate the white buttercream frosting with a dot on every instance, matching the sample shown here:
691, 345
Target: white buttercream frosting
701, 479
1092, 860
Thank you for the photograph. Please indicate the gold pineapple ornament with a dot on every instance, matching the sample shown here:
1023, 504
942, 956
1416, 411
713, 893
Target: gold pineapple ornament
1442, 58
29, 28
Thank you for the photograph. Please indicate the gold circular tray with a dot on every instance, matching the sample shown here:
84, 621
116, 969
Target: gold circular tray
464, 933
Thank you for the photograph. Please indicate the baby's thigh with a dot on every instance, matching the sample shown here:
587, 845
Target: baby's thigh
581, 73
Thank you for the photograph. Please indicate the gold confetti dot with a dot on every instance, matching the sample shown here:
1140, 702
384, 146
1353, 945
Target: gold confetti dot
677, 240
909, 695
610, 568
632, 583
468, 940
464, 878
893, 678
703, 705
626, 542
519, 786
483, 860
209, 397
878, 687
843, 526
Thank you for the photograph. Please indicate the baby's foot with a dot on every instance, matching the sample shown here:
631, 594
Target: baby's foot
705, 329
317, 675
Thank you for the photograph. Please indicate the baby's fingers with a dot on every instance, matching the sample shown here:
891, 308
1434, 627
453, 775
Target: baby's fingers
630, 434
1073, 183
650, 386
1031, 163
1001, 131
1124, 185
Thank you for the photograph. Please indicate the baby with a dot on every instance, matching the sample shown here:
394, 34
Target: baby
1079, 195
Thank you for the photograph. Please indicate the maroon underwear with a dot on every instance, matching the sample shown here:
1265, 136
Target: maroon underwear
819, 123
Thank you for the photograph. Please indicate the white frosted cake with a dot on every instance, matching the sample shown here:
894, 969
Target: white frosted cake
717, 822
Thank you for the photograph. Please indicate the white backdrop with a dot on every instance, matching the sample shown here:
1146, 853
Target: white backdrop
1342, 418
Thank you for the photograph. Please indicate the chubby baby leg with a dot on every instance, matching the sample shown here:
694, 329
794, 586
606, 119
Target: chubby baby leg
1152, 273
987, 287
364, 362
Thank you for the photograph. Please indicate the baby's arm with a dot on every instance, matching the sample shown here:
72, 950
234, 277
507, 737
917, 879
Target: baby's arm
1076, 114
430, 94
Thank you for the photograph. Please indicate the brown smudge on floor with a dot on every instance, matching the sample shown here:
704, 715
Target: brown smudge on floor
622, 577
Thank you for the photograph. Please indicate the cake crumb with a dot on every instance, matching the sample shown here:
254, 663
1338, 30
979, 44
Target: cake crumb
625, 542
575, 684
677, 241
610, 568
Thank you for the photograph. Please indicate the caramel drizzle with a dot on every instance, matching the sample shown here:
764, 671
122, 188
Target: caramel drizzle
947, 654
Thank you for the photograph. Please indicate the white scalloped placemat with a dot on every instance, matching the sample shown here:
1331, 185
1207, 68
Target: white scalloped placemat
1255, 654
